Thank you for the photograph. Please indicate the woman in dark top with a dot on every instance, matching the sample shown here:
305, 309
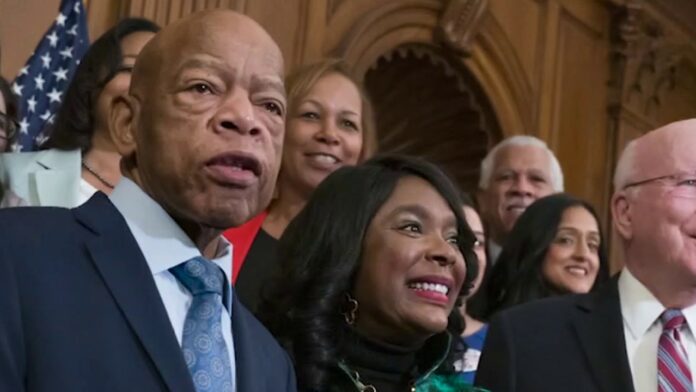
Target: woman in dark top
370, 272
556, 247
329, 125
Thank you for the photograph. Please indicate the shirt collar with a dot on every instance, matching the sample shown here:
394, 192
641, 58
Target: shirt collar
640, 308
160, 239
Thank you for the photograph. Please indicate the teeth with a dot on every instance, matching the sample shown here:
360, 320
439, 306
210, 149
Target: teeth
325, 158
577, 271
436, 287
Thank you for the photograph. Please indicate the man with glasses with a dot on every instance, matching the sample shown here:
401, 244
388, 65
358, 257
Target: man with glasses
637, 333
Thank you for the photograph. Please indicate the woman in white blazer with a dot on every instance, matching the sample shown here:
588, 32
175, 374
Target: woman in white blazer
79, 158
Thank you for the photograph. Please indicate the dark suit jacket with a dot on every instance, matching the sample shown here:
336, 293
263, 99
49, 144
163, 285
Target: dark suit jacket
79, 311
571, 343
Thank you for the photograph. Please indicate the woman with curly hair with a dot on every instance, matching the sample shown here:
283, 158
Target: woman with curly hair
556, 247
371, 271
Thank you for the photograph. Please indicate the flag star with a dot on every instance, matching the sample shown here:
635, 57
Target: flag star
39, 80
53, 37
60, 20
32, 104
46, 115
17, 89
61, 74
54, 95
73, 30
24, 70
67, 52
76, 8
17, 147
46, 60
24, 126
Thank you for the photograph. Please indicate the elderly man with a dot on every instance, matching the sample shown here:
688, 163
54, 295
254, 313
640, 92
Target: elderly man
131, 292
637, 333
515, 173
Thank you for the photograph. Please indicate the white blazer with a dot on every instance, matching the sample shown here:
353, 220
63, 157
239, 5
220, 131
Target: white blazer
43, 178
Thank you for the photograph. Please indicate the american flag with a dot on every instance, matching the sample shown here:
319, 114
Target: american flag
43, 80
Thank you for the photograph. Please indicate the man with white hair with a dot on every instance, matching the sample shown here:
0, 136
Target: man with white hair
515, 173
637, 332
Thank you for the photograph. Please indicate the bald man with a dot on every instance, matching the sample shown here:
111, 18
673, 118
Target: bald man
131, 292
609, 340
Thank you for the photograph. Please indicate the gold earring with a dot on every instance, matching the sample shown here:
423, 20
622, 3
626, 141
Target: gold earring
350, 314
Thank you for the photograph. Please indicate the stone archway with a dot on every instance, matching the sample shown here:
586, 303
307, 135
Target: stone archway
427, 104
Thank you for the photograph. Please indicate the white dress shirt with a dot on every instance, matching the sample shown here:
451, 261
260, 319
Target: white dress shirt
85, 191
164, 246
642, 328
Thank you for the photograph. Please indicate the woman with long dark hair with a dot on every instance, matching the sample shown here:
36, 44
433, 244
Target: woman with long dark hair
79, 152
370, 272
556, 247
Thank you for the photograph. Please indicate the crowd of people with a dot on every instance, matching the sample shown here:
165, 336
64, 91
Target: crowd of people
222, 227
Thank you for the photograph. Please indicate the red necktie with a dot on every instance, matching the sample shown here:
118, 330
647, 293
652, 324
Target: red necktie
673, 373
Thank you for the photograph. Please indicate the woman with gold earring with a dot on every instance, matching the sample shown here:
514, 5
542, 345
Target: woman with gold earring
365, 292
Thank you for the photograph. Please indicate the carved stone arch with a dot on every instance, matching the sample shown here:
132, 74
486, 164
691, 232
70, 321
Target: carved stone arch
490, 56
498, 70
427, 104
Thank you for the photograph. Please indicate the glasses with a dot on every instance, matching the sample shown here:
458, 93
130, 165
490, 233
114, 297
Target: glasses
682, 184
8, 128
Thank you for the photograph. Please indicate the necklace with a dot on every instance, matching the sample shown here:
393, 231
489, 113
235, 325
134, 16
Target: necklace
96, 175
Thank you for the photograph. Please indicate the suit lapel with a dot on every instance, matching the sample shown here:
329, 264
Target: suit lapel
125, 272
599, 327
245, 361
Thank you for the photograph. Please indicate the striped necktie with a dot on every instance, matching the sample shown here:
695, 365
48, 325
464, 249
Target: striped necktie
673, 373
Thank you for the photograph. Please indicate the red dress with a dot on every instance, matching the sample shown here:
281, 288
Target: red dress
241, 239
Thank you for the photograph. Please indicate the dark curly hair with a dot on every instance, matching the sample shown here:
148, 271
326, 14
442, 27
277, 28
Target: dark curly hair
74, 125
517, 275
321, 252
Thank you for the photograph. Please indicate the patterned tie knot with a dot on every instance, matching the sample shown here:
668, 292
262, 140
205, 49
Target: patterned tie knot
672, 319
200, 276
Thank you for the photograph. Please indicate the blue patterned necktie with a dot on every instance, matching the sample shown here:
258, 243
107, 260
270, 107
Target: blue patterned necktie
673, 373
202, 343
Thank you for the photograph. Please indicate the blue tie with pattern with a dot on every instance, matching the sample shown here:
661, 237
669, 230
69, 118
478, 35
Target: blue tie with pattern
203, 346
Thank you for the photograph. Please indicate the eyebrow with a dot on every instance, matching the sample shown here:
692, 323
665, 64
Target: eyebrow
266, 82
315, 102
570, 228
422, 213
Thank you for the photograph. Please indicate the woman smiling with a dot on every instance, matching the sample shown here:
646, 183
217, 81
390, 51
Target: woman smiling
556, 247
329, 125
363, 296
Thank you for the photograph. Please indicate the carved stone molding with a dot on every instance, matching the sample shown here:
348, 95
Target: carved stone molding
459, 24
645, 58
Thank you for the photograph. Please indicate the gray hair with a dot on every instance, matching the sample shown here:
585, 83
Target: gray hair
521, 140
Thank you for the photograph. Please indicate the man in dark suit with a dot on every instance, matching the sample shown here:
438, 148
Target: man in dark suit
637, 332
131, 292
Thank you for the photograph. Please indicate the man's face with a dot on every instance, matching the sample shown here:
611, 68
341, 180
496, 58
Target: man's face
662, 213
521, 174
209, 129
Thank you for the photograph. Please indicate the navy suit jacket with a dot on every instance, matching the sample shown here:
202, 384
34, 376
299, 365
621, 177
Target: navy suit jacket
568, 343
79, 311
